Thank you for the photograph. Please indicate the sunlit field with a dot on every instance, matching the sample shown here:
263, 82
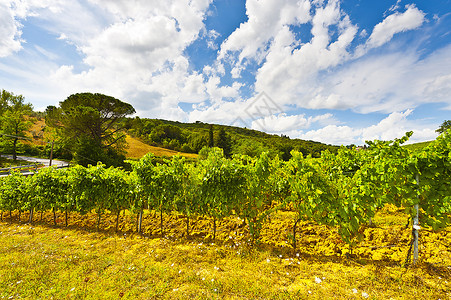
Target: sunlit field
137, 149
45, 261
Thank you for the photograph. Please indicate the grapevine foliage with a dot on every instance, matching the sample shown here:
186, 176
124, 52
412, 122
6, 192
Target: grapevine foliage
342, 190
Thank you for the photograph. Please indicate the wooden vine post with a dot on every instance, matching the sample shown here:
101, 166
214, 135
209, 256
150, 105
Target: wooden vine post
416, 227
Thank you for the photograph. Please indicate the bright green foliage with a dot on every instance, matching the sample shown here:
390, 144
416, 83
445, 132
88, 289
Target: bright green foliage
192, 137
50, 190
322, 193
260, 189
221, 185
13, 122
159, 183
145, 172
186, 200
434, 163
15, 192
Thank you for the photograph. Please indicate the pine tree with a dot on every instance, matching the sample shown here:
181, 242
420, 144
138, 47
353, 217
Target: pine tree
210, 137
224, 141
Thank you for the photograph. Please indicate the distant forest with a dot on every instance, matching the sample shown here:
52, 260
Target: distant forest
192, 137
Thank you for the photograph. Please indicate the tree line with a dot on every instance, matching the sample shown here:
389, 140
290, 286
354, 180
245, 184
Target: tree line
192, 137
87, 128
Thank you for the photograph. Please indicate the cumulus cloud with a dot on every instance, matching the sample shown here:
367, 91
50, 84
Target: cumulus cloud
395, 23
142, 48
290, 71
393, 126
286, 124
225, 112
265, 20
386, 83
327, 72
10, 33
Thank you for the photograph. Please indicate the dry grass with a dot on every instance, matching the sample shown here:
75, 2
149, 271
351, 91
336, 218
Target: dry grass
44, 261
137, 149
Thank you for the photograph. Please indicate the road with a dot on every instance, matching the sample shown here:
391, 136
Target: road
43, 161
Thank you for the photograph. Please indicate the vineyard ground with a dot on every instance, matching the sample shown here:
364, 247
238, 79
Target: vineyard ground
42, 260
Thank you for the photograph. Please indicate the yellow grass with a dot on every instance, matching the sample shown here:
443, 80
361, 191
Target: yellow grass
78, 262
137, 149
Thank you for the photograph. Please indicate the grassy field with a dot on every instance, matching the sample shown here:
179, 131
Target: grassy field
79, 262
137, 149
417, 146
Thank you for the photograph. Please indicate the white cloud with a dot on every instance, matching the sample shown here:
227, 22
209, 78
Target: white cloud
283, 123
290, 71
386, 83
393, 126
10, 33
395, 23
140, 53
222, 113
71, 19
331, 134
131, 50
395, 6
211, 36
325, 73
265, 20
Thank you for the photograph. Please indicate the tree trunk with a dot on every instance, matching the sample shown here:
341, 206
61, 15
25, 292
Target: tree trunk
161, 222
54, 217
98, 219
294, 233
137, 222
66, 216
20, 213
187, 226
31, 216
51, 154
14, 149
1, 216
214, 228
140, 221
41, 216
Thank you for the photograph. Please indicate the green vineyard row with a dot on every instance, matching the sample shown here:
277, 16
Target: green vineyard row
343, 190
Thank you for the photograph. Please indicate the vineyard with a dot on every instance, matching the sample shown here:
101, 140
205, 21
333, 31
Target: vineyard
342, 192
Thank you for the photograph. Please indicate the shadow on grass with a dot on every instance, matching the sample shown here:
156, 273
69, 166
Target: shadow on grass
174, 230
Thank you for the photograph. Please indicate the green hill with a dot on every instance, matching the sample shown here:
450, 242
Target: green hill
192, 137
417, 146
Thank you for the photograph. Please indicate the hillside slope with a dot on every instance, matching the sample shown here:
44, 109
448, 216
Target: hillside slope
192, 137
137, 149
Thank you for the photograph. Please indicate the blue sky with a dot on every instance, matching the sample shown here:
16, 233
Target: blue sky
338, 72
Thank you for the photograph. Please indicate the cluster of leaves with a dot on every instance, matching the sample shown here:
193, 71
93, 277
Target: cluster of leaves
343, 190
